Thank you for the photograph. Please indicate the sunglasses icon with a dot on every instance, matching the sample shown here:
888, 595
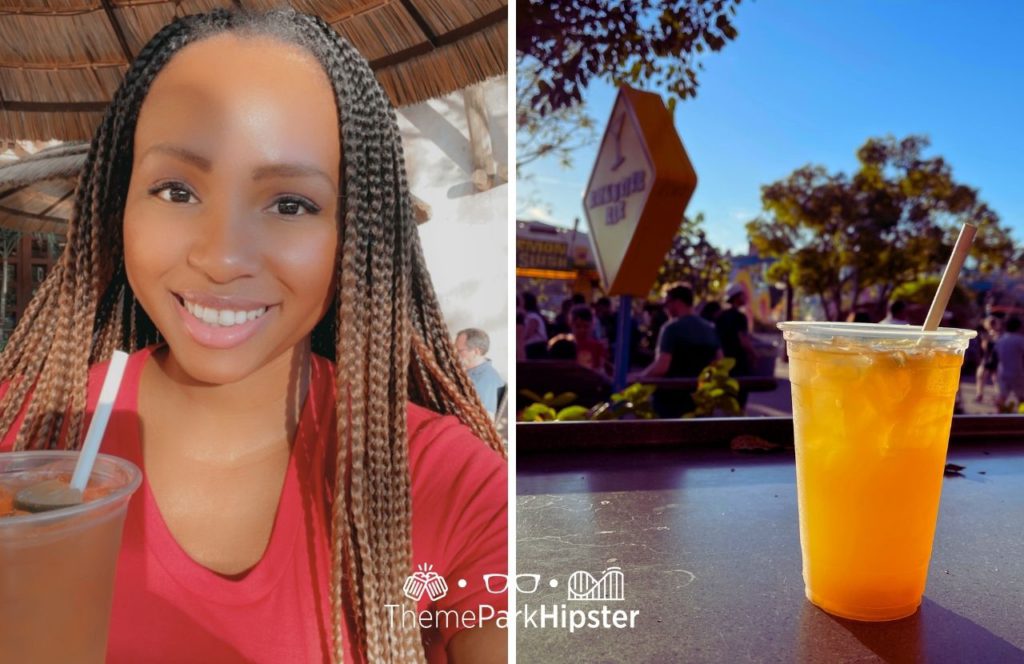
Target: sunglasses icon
498, 583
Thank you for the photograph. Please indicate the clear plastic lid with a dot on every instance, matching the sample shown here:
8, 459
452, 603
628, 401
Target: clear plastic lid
875, 336
122, 476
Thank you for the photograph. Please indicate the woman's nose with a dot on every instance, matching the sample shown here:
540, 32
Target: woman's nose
225, 245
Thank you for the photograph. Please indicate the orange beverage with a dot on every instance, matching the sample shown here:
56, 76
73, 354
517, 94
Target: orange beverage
872, 408
57, 568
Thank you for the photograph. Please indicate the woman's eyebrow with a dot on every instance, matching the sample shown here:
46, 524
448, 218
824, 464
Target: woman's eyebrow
181, 153
291, 171
287, 170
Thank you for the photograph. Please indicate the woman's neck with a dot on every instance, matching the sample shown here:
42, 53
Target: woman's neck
256, 412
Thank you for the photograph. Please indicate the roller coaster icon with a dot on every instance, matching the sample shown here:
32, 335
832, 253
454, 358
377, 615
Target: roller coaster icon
609, 588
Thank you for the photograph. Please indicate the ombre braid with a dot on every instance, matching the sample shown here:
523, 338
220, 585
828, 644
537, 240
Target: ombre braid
384, 332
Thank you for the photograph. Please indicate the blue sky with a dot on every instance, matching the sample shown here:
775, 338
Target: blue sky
808, 82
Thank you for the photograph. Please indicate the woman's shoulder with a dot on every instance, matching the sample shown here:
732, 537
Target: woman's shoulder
446, 457
437, 443
433, 436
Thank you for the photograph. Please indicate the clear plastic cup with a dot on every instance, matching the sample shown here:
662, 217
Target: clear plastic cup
57, 568
872, 409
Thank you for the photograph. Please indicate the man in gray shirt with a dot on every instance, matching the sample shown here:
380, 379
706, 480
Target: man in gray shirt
685, 346
471, 346
1010, 371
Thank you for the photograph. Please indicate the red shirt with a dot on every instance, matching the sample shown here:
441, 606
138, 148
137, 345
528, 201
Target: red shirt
168, 608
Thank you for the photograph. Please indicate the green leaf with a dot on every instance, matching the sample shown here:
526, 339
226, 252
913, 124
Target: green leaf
538, 412
562, 400
532, 396
571, 413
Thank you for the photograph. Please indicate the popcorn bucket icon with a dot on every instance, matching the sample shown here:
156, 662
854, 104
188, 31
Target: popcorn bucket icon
425, 580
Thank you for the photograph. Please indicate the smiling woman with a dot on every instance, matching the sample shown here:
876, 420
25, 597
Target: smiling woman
243, 224
232, 204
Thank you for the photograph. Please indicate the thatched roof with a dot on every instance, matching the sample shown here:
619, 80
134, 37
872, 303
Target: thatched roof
61, 60
37, 192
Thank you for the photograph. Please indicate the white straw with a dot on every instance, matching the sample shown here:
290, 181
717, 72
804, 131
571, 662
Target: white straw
98, 425
949, 277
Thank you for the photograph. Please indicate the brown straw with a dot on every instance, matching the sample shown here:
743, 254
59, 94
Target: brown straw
949, 277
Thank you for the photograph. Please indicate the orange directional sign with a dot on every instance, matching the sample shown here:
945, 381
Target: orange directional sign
637, 193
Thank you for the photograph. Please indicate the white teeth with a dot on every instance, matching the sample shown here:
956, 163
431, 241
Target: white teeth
223, 317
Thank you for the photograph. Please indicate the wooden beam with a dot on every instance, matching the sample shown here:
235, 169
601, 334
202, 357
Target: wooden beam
55, 106
63, 66
480, 148
11, 7
13, 190
15, 212
421, 21
401, 56
447, 38
116, 26
482, 23
60, 200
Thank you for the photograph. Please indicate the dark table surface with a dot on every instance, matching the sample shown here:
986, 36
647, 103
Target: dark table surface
708, 544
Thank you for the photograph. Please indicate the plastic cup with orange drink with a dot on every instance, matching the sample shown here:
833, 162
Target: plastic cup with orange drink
872, 409
61, 517
57, 567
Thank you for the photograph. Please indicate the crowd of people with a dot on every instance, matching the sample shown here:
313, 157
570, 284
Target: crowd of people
677, 338
670, 339
1001, 344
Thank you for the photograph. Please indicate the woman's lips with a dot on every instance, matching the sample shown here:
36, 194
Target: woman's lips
222, 336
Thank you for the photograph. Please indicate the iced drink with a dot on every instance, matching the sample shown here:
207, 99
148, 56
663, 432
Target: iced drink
57, 568
872, 408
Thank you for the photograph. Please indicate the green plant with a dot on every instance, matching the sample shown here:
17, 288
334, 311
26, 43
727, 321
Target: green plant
1011, 407
716, 391
551, 408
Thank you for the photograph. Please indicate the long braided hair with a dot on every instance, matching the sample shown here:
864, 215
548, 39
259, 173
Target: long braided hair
384, 331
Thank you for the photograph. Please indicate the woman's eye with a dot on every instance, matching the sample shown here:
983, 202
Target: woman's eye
174, 192
294, 207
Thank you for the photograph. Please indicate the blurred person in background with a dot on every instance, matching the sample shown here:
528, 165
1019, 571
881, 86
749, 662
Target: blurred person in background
858, 317
988, 363
686, 345
561, 324
710, 311
536, 333
1010, 372
733, 328
897, 311
471, 346
590, 352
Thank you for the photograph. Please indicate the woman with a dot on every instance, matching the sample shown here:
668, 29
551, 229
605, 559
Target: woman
536, 332
242, 223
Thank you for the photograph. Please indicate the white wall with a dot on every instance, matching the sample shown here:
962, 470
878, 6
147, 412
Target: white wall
466, 239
